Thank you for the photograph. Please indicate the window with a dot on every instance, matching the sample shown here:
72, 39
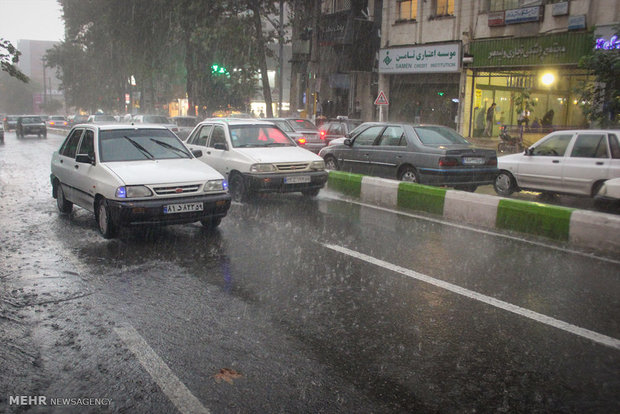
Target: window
553, 147
200, 138
368, 136
407, 9
444, 8
69, 148
393, 136
88, 143
218, 137
590, 146
614, 144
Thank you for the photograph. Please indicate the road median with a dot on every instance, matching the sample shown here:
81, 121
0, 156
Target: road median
589, 229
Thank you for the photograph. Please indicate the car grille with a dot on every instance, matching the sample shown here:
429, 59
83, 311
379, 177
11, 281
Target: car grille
179, 189
292, 166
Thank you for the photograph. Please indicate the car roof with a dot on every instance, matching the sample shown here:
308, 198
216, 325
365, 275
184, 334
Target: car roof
238, 121
110, 127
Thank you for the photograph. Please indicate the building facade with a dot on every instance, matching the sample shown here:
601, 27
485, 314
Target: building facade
447, 61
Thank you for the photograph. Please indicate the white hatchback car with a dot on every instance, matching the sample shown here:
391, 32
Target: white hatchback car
569, 162
130, 175
257, 156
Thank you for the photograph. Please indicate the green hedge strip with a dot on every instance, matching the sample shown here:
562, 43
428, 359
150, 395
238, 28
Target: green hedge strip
421, 197
534, 218
347, 183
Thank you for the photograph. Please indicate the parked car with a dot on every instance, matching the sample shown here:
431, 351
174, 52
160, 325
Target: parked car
256, 156
57, 121
341, 127
426, 154
30, 125
305, 138
101, 119
608, 196
133, 175
186, 125
10, 122
155, 120
569, 162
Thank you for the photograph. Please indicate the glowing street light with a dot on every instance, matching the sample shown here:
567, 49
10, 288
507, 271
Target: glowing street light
548, 79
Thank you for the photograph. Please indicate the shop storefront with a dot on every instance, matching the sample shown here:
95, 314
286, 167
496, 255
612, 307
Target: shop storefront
423, 82
534, 82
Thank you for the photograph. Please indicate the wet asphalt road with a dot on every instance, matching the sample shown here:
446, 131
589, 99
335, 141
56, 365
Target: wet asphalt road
295, 306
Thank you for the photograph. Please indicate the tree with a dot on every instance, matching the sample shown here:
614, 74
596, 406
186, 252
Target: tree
9, 56
602, 96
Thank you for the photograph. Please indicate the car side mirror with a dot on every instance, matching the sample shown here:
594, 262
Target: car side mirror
529, 151
220, 146
348, 142
85, 159
197, 153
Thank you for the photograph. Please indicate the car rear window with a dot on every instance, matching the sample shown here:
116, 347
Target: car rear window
186, 122
31, 120
152, 119
300, 124
436, 135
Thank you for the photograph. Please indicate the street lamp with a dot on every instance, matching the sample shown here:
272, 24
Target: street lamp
548, 79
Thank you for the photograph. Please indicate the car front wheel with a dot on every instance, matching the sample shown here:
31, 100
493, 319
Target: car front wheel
237, 188
107, 227
504, 184
331, 163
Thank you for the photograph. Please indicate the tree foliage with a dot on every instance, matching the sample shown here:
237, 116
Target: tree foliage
602, 97
9, 56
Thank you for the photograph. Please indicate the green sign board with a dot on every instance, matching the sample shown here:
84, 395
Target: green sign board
557, 49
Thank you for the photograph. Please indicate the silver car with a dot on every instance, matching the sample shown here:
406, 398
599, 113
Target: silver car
426, 154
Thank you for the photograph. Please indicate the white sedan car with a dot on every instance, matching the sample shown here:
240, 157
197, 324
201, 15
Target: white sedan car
257, 156
129, 175
569, 162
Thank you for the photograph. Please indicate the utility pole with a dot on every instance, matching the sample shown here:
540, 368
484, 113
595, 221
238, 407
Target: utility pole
314, 65
281, 63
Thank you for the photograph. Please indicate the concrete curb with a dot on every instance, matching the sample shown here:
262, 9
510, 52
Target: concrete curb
588, 229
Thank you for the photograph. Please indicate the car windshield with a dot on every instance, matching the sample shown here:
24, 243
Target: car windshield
155, 119
104, 118
140, 144
301, 124
284, 126
437, 135
31, 120
243, 136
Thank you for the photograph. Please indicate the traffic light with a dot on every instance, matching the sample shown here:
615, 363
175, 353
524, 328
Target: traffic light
219, 70
440, 93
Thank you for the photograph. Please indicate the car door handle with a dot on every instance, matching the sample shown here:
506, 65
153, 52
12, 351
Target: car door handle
600, 163
76, 166
61, 161
556, 161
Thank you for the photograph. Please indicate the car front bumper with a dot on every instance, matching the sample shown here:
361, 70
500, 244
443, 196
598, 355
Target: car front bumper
479, 176
276, 183
127, 213
32, 130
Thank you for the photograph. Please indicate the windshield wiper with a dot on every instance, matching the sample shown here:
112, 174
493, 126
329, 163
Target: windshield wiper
140, 148
170, 147
277, 144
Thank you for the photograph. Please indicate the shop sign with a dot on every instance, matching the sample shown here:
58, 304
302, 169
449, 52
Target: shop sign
524, 15
496, 19
577, 22
604, 44
559, 9
421, 59
564, 48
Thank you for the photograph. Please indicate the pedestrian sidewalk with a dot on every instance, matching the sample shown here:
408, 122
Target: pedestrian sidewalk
484, 142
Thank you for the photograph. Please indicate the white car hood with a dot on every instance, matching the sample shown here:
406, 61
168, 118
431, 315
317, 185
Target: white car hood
278, 154
510, 159
163, 171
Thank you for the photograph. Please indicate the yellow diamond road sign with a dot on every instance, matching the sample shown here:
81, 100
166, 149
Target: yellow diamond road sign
381, 99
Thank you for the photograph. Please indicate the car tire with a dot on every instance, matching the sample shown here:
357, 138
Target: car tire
311, 192
504, 184
237, 188
107, 227
211, 222
331, 163
64, 206
409, 174
471, 188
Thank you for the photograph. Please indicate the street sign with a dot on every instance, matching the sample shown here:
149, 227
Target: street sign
381, 99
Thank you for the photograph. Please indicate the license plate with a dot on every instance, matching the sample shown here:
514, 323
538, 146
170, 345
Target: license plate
182, 208
298, 179
473, 161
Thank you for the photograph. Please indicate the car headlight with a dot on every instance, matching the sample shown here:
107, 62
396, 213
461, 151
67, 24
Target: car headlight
215, 185
133, 191
263, 168
317, 165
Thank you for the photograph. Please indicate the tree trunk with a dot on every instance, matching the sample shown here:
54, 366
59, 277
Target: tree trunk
260, 40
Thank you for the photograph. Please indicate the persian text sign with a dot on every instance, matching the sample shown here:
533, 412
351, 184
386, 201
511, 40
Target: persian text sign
524, 15
421, 59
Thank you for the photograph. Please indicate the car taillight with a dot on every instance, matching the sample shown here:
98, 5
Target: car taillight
301, 141
322, 134
492, 161
448, 162
51, 123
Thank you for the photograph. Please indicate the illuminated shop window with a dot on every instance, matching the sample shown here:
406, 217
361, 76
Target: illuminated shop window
407, 10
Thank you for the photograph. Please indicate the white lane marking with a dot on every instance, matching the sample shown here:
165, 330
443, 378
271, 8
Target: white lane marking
547, 320
174, 389
478, 230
